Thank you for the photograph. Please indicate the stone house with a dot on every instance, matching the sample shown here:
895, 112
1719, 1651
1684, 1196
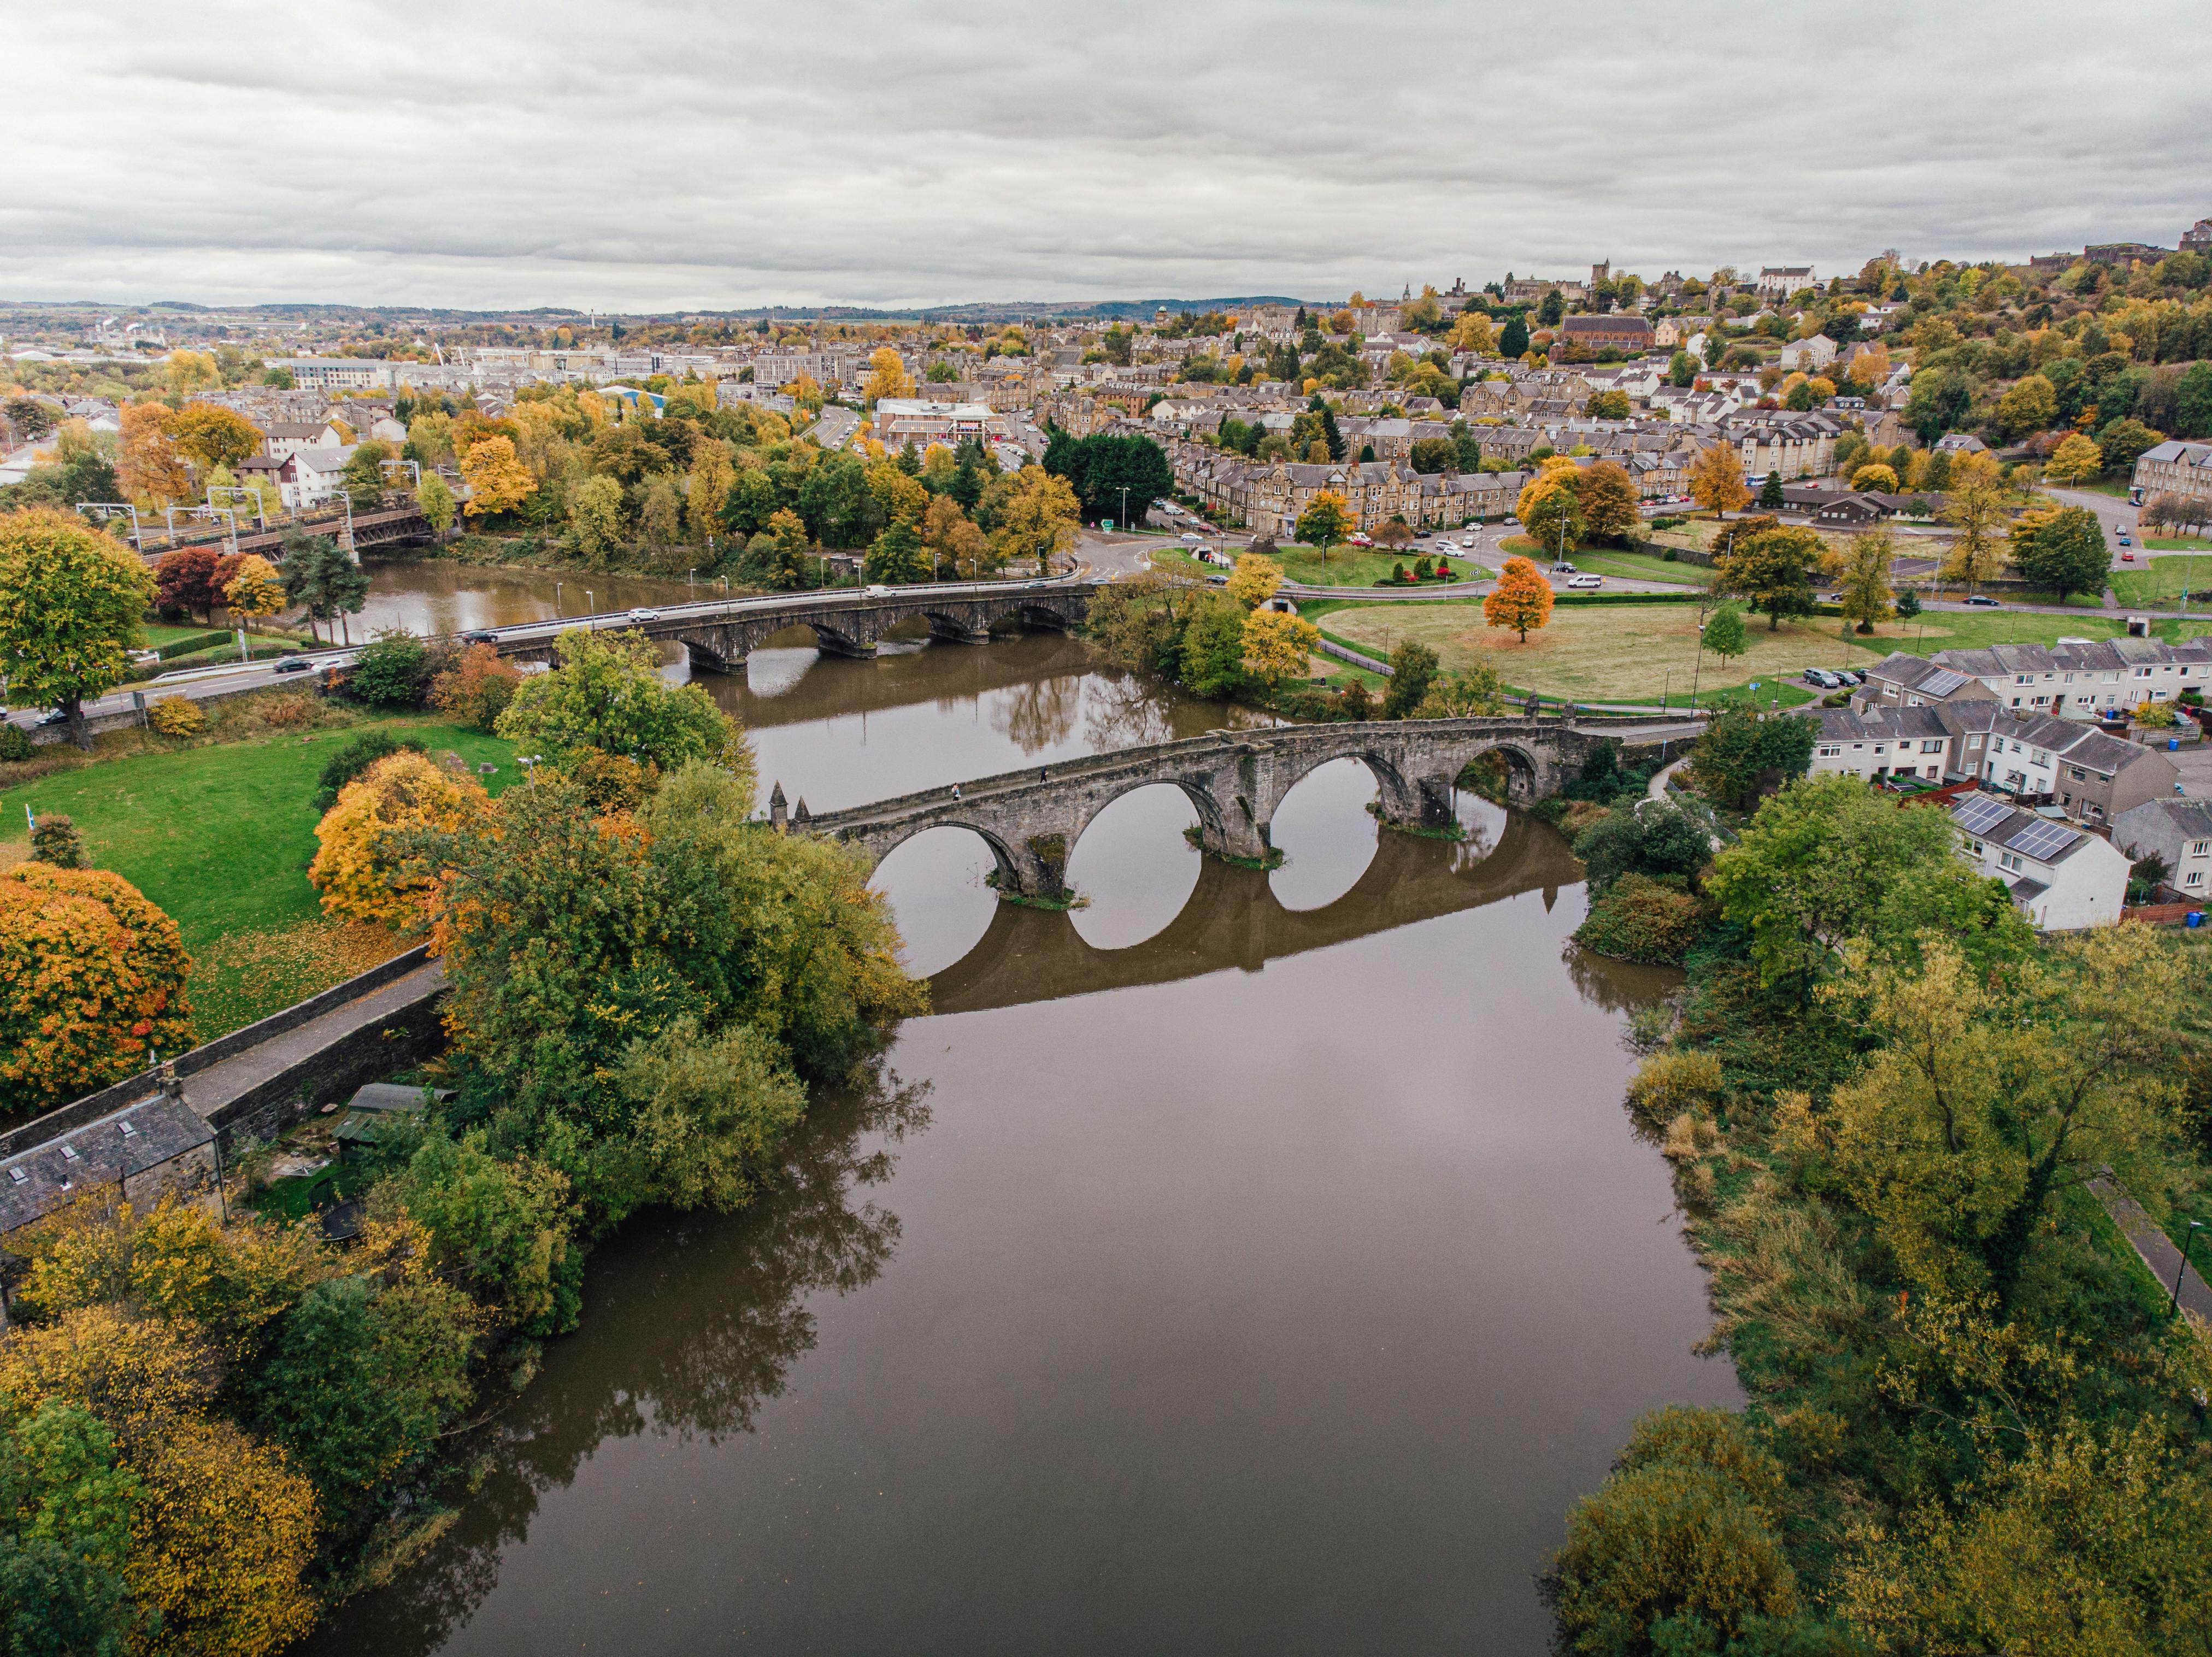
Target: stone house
2175, 468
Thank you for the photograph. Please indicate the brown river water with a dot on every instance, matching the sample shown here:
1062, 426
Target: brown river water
1245, 1263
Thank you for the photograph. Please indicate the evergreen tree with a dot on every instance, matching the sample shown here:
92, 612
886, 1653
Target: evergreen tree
1770, 492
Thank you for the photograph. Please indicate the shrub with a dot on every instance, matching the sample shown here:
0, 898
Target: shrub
477, 689
392, 671
1639, 918
56, 841
1677, 1551
2155, 716
1667, 1084
16, 745
91, 975
284, 711
177, 715
356, 757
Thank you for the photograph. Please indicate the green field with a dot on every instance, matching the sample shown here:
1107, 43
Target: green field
1345, 566
219, 837
1641, 566
2161, 581
1630, 653
2182, 543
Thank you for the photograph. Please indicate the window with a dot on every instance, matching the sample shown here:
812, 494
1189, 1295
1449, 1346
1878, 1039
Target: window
1934, 745
2023, 678
2078, 773
2194, 877
2006, 860
2200, 848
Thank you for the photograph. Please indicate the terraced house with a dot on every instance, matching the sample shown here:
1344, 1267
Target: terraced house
2079, 679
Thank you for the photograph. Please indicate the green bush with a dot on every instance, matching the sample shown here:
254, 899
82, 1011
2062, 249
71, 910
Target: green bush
1681, 1534
1641, 918
392, 670
356, 757
16, 745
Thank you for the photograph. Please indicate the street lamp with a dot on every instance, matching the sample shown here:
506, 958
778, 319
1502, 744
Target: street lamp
556, 600
2180, 1271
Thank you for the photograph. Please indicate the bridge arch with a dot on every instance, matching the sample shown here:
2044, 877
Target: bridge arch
883, 843
1299, 763
1191, 789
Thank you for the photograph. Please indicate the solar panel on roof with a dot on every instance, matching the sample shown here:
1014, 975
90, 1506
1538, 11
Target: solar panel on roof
2042, 841
1979, 816
1942, 682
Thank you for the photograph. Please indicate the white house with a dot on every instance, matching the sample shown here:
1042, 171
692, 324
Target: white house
308, 476
2061, 878
1780, 281
1808, 355
338, 373
281, 439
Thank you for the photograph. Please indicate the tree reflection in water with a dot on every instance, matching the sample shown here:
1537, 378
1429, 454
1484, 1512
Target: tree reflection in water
695, 1322
1618, 986
1040, 715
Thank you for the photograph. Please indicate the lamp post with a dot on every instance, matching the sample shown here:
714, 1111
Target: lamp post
2180, 1271
556, 600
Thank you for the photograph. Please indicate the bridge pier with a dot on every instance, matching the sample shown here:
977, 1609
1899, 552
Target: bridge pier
950, 631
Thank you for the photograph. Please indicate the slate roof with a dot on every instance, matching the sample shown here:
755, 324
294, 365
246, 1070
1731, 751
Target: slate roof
128, 1142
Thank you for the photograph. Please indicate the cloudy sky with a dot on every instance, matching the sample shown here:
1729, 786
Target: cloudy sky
674, 153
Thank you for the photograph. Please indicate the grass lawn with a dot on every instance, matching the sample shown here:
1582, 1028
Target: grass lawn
1347, 566
1629, 653
2181, 543
1641, 566
219, 837
2162, 581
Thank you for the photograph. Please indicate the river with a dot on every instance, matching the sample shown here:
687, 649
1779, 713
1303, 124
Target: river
1244, 1263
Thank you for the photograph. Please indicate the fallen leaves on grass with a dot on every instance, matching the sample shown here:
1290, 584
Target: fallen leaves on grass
248, 976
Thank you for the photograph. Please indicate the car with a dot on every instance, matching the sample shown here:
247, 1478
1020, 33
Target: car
59, 716
1360, 541
1584, 583
877, 590
1563, 568
292, 665
1217, 580
2127, 557
1821, 677
2124, 541
1511, 520
480, 636
640, 613
1982, 602
1851, 675
1192, 535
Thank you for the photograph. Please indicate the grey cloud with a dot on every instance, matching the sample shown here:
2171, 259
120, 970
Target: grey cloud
717, 155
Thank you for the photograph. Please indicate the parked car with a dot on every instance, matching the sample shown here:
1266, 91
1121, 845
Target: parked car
292, 665
1983, 601
1217, 580
2124, 541
1563, 568
2127, 557
1851, 675
1821, 677
1360, 541
1584, 583
480, 636
640, 613
1467, 542
1511, 520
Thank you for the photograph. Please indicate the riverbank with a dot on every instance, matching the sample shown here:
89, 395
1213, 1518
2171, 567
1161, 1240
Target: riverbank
1964, 1386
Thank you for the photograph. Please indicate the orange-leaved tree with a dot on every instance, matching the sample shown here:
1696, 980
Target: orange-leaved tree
92, 977
1716, 480
364, 869
148, 464
1521, 600
478, 688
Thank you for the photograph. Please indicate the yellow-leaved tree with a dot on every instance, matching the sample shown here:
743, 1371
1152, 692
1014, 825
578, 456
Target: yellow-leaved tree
1038, 519
498, 481
1279, 646
1521, 600
887, 376
363, 869
1716, 480
1255, 580
255, 590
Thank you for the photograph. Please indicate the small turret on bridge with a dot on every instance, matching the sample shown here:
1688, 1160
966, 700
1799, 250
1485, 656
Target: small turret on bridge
1031, 820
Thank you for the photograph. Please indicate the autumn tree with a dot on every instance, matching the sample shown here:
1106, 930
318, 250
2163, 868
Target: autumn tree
1717, 480
1464, 693
1254, 579
1974, 507
1279, 646
1875, 478
148, 465
92, 977
897, 557
2076, 461
365, 868
1861, 572
1038, 519
184, 372
209, 437
887, 376
498, 482
184, 579
254, 589
71, 607
1608, 500
1413, 667
1520, 600
2032, 406
707, 487
477, 689
955, 543
598, 522
1773, 569
1550, 506
1325, 521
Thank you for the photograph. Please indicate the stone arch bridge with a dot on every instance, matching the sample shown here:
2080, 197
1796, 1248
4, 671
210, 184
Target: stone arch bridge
718, 634
1032, 818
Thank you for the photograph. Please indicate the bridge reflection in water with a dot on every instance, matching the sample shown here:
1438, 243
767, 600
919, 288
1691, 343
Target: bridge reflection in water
1233, 919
